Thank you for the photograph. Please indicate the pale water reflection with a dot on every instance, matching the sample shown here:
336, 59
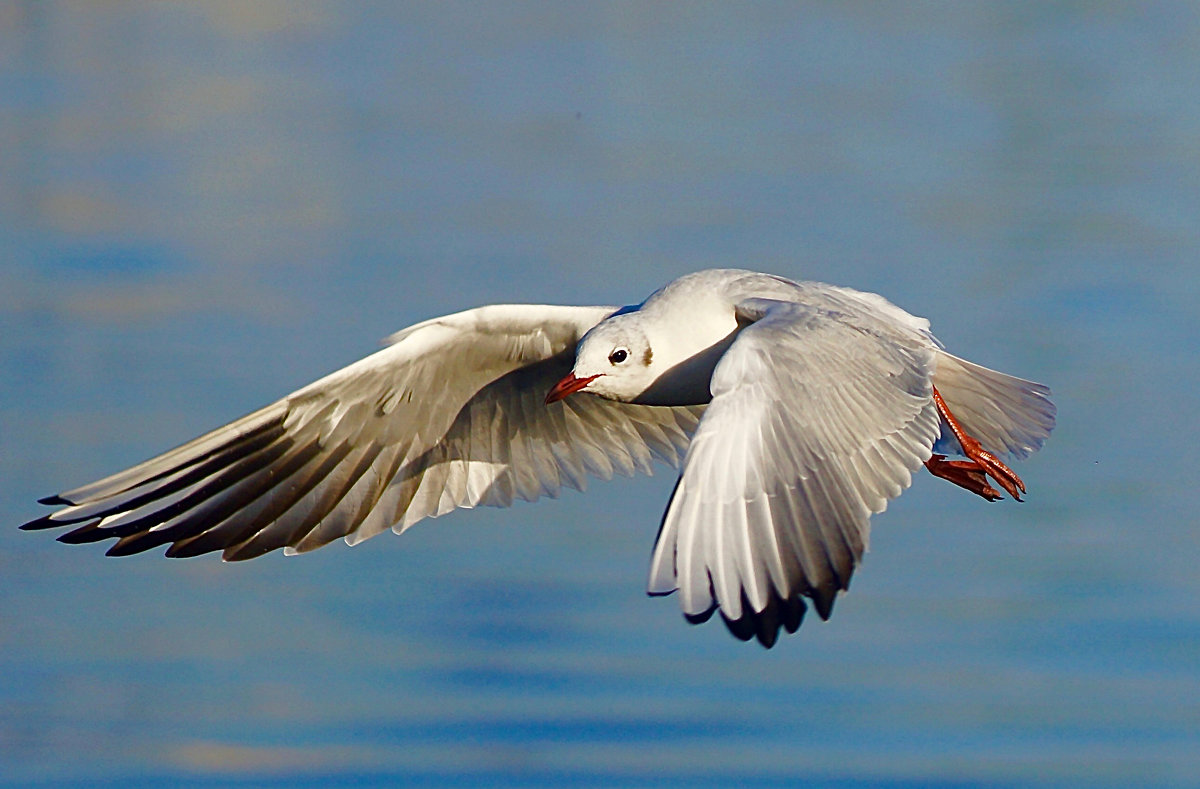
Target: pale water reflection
205, 206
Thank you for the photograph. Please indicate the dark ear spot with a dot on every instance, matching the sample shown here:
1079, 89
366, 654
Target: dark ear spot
647, 356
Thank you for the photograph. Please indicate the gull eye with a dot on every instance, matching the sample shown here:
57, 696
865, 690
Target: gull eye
618, 356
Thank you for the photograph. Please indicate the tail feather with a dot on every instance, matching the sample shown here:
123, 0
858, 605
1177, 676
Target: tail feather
1008, 415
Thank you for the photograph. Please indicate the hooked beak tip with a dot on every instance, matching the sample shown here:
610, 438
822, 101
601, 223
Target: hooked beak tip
567, 386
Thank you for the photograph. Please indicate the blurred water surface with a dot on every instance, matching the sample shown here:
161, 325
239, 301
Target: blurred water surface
204, 206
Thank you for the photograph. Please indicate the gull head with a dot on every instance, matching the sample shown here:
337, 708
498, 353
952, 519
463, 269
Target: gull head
614, 360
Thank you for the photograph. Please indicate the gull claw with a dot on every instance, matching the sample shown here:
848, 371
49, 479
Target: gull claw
964, 473
999, 472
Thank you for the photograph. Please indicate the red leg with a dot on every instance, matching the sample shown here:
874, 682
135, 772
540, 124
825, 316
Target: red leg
972, 474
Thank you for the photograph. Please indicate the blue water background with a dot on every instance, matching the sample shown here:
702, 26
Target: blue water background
205, 206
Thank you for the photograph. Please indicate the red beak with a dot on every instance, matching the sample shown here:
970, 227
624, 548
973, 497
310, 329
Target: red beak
567, 386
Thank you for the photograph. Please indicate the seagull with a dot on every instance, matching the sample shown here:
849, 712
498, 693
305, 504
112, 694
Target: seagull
793, 411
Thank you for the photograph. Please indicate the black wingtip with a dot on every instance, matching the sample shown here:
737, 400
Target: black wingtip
190, 548
87, 533
702, 617
823, 598
743, 629
137, 543
37, 524
123, 548
55, 501
765, 625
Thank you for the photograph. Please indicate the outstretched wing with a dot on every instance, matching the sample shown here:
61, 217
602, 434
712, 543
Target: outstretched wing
819, 416
450, 415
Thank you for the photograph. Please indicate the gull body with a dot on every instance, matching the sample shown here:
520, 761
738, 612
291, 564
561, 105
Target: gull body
795, 410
